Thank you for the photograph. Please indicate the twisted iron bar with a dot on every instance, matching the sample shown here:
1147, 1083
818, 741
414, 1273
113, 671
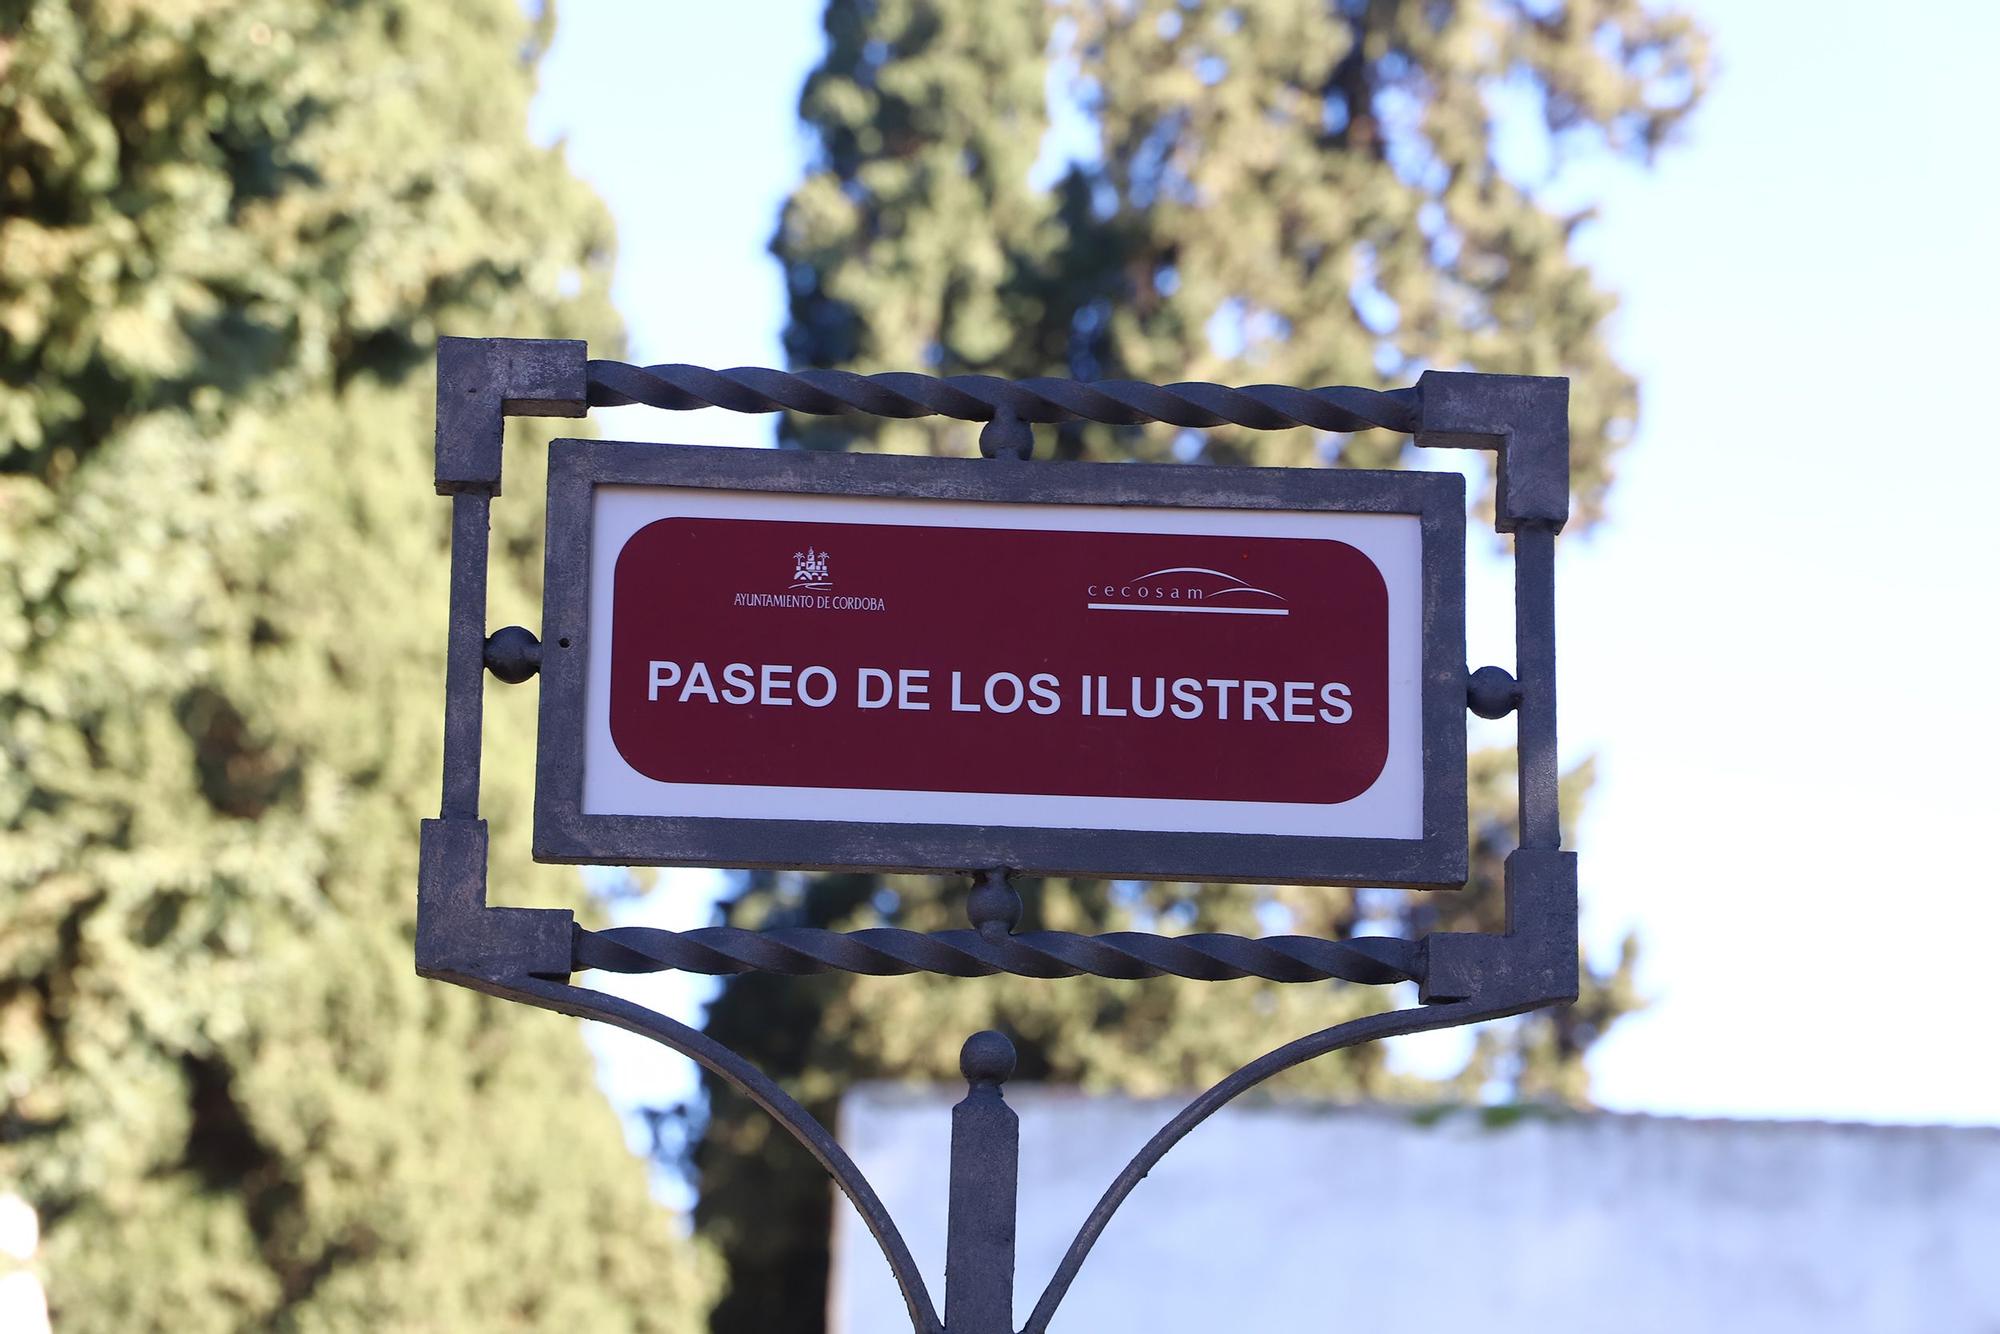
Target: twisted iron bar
979, 398
891, 951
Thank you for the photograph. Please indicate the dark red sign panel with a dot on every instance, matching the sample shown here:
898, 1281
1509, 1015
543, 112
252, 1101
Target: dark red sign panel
974, 660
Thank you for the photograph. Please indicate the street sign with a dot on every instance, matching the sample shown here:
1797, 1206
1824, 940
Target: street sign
763, 658
778, 658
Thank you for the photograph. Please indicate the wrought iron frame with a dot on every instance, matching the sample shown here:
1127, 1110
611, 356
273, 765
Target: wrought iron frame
529, 954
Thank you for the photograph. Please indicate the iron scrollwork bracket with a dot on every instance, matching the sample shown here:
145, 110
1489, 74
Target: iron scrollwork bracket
529, 954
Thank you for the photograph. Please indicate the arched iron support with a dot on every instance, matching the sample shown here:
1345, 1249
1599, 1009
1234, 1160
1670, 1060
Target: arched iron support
761, 1089
1370, 1028
583, 1003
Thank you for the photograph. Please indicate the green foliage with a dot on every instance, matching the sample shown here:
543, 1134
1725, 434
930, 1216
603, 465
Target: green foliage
232, 231
1296, 191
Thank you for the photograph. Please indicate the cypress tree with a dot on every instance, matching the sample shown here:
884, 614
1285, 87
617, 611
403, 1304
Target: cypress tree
233, 230
1301, 192
900, 248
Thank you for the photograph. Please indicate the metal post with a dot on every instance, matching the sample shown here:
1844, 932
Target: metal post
465, 655
985, 1172
1535, 666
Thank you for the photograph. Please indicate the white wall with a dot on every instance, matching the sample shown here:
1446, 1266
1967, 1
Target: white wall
23, 1309
1302, 1217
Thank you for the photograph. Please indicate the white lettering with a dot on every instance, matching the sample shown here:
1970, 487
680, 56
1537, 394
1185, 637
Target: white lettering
738, 683
1043, 687
1185, 697
993, 703
698, 683
958, 704
805, 696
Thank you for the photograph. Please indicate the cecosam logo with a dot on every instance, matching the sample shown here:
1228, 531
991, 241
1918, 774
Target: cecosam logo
1188, 588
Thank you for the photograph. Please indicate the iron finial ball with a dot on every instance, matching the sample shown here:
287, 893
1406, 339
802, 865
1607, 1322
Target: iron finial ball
1006, 436
1492, 692
994, 906
986, 1058
513, 654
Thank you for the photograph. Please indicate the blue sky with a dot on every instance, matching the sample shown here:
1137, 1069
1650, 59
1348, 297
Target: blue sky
1781, 647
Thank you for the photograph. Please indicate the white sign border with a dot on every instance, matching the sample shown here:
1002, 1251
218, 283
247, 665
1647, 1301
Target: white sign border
1391, 808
